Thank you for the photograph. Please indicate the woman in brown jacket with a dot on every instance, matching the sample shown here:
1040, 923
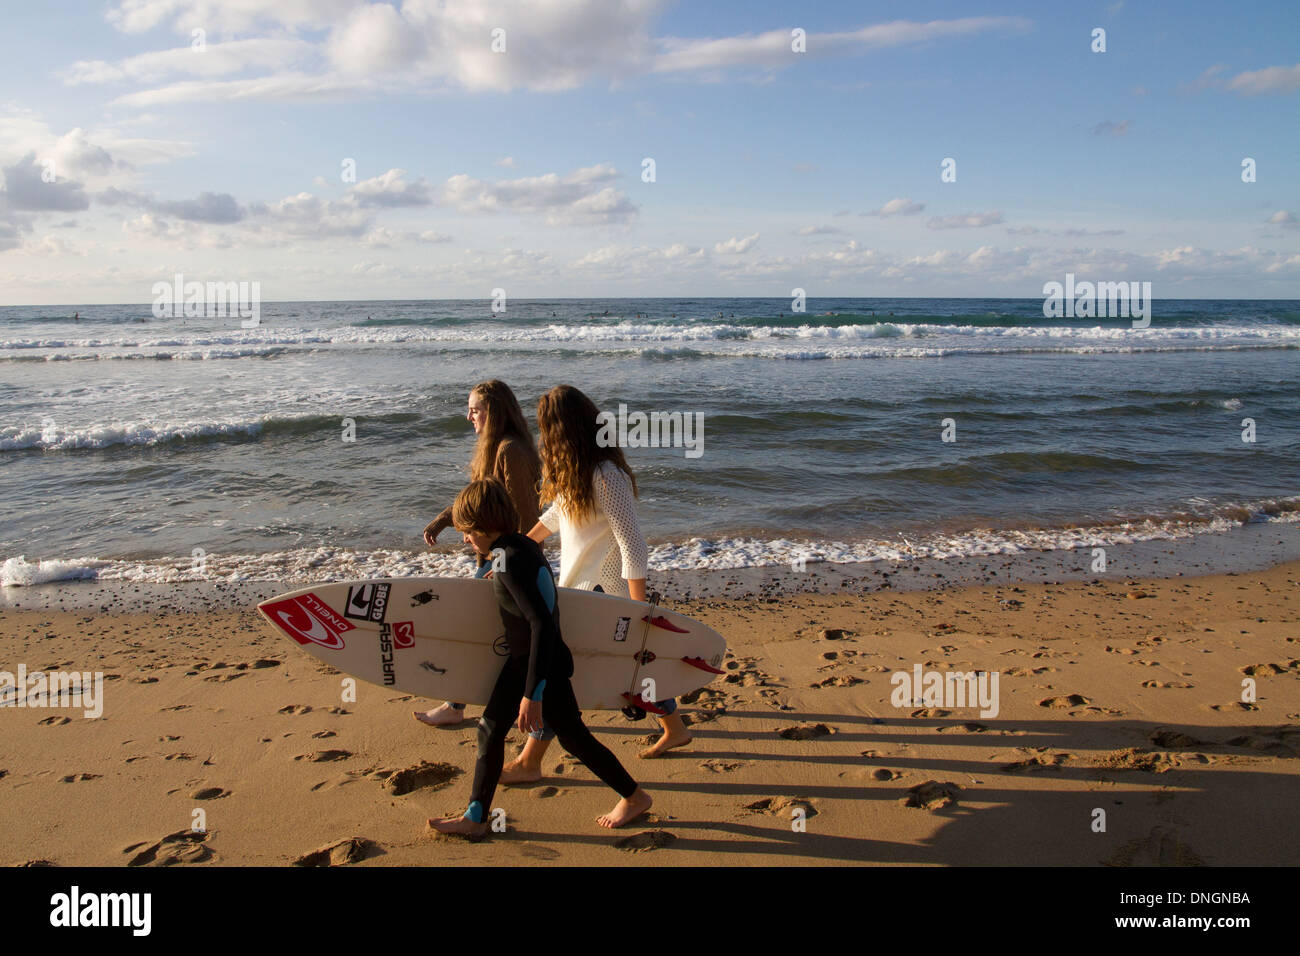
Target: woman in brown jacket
505, 451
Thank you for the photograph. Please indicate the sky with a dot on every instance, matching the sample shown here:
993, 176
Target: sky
340, 149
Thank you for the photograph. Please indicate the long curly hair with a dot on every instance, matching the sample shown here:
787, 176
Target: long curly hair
567, 425
505, 419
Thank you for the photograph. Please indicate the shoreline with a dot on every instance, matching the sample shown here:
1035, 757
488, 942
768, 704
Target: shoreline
1241, 549
1121, 695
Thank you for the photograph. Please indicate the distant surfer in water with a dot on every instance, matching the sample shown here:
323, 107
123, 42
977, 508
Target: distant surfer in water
534, 680
504, 451
593, 495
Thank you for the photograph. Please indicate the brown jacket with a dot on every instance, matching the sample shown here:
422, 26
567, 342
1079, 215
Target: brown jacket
515, 469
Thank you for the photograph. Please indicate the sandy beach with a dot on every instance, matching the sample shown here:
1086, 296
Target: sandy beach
1120, 704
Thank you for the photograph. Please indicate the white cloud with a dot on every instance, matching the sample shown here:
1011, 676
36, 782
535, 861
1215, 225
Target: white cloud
507, 161
897, 207
307, 216
425, 44
375, 38
818, 231
965, 220
284, 86
26, 189
1211, 76
773, 48
207, 207
139, 16
215, 59
575, 199
1274, 79
53, 246
391, 190
734, 246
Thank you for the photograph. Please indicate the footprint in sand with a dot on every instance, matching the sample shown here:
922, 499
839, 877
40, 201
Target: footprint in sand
209, 793
294, 709
55, 721
1161, 847
806, 732
931, 795
177, 707
324, 756
421, 776
645, 840
184, 846
341, 853
1266, 670
1174, 740
78, 777
969, 727
781, 806
342, 780
537, 852
1235, 705
721, 766
1181, 685
1267, 743
322, 734
1039, 759
1073, 700
1132, 758
543, 793
838, 682
930, 712
178, 756
884, 775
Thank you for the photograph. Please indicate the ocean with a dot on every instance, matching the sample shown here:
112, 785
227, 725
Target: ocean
134, 448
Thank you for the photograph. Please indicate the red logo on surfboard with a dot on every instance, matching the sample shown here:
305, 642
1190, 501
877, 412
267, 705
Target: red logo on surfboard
404, 634
309, 620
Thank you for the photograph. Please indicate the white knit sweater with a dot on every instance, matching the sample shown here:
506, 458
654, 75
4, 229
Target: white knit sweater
605, 546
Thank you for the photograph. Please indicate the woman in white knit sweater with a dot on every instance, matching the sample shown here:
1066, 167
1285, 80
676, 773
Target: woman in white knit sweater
593, 505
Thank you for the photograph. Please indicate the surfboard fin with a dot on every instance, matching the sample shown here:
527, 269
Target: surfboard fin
700, 663
666, 624
646, 705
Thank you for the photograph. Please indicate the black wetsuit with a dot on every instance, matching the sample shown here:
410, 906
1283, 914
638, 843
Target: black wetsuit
539, 668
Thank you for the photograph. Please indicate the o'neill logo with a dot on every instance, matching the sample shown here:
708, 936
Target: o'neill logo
309, 620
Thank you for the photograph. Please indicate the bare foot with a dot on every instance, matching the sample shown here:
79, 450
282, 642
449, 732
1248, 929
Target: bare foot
517, 772
441, 716
459, 825
629, 808
671, 739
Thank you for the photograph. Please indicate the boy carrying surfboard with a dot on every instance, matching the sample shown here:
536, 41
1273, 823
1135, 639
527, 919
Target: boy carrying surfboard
535, 677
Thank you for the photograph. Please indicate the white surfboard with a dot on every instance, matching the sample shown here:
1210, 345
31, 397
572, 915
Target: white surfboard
442, 638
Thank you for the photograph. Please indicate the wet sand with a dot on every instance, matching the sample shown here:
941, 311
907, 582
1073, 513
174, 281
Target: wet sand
1119, 695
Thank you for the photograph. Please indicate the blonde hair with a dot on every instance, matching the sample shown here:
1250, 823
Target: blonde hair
503, 419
